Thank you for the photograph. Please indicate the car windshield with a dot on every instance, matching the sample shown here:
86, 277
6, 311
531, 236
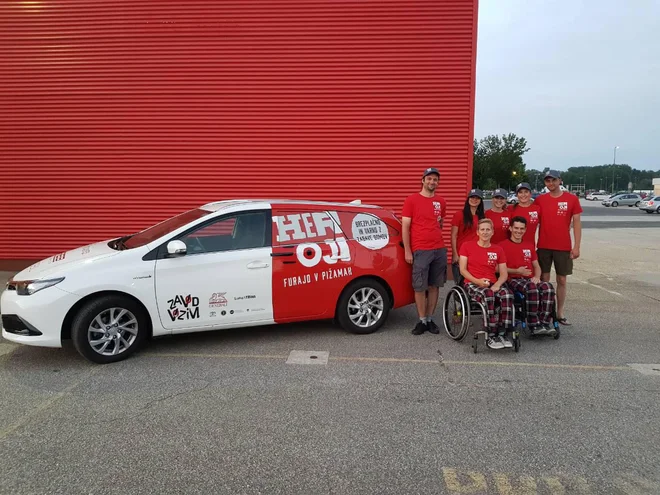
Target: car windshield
159, 230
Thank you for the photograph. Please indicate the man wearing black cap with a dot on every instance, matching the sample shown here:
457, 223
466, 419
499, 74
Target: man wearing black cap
558, 209
422, 219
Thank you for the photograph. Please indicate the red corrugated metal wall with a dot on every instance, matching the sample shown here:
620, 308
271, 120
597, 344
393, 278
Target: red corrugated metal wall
117, 114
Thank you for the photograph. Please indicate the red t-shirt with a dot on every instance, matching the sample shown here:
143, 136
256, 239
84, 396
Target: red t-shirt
482, 262
557, 214
533, 215
518, 255
501, 224
463, 234
425, 214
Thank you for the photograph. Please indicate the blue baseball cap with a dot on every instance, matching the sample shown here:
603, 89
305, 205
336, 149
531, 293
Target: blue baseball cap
476, 192
502, 193
430, 171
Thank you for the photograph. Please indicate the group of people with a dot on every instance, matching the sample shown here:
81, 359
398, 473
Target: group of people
495, 253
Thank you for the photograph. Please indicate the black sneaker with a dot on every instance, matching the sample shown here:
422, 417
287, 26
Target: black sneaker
420, 328
432, 327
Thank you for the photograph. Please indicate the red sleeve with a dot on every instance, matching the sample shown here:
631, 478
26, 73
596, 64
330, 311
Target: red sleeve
465, 249
577, 207
457, 219
534, 257
443, 202
407, 207
502, 255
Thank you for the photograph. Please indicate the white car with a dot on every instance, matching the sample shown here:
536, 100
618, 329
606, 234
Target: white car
223, 265
598, 196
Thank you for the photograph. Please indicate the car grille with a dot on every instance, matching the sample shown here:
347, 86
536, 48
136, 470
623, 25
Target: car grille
14, 324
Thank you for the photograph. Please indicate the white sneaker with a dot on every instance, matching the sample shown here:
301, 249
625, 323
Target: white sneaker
506, 342
495, 343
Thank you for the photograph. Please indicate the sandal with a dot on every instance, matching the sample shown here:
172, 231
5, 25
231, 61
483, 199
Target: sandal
564, 321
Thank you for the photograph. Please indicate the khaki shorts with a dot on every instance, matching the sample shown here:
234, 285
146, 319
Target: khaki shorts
562, 260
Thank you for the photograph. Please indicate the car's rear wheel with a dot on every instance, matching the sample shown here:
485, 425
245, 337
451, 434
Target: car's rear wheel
615, 204
109, 329
637, 204
363, 306
658, 209
650, 211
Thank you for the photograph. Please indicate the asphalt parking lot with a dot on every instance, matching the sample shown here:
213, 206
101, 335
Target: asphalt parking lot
223, 412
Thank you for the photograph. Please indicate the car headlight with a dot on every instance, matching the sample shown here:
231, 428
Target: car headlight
29, 287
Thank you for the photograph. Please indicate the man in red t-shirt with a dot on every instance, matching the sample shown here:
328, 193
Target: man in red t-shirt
558, 210
524, 277
423, 218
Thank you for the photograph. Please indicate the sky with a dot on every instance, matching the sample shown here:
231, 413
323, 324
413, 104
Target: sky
574, 78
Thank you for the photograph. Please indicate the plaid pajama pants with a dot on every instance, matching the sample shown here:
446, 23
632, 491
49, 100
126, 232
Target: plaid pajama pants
539, 299
499, 305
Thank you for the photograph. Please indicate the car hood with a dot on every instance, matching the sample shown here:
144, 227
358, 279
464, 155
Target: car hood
56, 265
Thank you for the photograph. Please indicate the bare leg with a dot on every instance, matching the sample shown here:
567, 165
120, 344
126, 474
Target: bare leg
561, 295
420, 302
545, 277
431, 301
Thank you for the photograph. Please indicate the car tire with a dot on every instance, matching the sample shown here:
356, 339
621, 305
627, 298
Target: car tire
369, 292
650, 211
615, 204
637, 204
658, 209
119, 339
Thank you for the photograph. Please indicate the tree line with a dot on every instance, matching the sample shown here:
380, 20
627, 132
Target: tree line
498, 162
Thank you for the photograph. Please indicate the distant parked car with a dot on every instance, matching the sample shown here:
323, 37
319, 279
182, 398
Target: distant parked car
623, 200
596, 196
650, 204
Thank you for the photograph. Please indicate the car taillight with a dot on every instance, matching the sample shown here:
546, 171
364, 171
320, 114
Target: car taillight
650, 203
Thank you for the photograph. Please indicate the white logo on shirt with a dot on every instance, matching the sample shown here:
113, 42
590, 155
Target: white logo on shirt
527, 254
505, 222
563, 206
492, 256
533, 216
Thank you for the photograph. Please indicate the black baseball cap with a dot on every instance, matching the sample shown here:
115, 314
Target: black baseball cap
476, 192
430, 171
503, 193
552, 173
523, 185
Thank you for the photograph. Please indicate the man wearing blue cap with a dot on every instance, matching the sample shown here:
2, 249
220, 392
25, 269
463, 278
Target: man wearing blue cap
422, 221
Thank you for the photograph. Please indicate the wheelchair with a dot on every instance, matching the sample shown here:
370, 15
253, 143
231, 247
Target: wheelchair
521, 308
458, 311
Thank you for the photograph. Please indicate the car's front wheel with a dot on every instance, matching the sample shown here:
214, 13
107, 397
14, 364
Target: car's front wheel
363, 306
109, 329
637, 204
615, 204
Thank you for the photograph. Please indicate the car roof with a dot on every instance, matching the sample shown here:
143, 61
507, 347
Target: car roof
219, 205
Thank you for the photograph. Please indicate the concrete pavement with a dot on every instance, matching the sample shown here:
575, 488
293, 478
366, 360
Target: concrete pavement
222, 412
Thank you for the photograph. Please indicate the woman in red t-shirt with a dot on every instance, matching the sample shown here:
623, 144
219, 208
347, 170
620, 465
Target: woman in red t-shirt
479, 263
526, 208
500, 216
464, 226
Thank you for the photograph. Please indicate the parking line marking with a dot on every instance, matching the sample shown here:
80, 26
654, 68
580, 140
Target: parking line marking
44, 405
587, 367
600, 287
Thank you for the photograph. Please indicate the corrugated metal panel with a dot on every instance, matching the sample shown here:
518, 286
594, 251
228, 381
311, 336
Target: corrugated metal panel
117, 114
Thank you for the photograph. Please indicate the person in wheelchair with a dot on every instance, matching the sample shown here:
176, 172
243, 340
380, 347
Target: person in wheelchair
525, 278
479, 262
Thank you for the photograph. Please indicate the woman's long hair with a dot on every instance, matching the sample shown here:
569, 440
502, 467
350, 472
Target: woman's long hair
467, 213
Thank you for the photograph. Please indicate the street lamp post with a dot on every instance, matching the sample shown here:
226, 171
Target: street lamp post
614, 167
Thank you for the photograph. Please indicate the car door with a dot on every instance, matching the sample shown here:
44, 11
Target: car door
310, 254
223, 279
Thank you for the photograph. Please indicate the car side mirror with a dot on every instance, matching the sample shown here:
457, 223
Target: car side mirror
176, 248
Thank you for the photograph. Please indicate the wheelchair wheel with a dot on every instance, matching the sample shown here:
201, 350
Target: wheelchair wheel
557, 332
456, 313
516, 340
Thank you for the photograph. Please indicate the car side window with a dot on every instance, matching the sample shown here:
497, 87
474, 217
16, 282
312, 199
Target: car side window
244, 230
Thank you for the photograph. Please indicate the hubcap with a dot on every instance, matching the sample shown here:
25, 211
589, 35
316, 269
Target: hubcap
112, 331
365, 307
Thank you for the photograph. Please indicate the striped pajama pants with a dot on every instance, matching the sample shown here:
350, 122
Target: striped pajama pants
539, 299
